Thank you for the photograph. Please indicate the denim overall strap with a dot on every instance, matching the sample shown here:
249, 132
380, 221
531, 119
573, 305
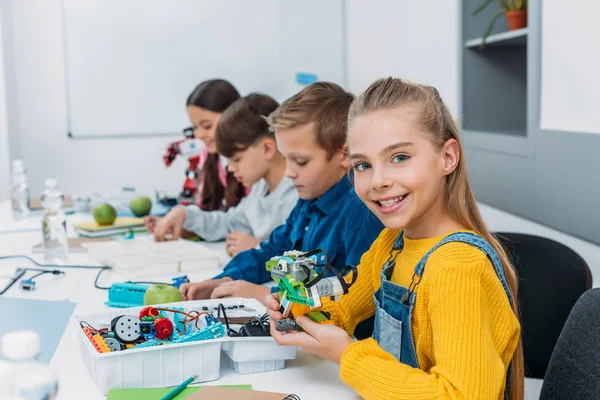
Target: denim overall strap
474, 240
481, 244
393, 330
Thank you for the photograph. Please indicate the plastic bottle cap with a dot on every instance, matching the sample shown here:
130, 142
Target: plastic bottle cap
18, 167
21, 345
51, 182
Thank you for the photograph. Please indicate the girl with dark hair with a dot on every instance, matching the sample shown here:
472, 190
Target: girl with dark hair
244, 138
218, 189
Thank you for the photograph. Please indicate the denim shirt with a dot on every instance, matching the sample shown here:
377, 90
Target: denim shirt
337, 222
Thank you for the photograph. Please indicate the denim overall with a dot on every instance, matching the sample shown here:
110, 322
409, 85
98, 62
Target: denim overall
394, 303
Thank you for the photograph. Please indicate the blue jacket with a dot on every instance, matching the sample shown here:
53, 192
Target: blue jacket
337, 222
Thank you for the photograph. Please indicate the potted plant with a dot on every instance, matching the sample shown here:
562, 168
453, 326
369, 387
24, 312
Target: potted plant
515, 11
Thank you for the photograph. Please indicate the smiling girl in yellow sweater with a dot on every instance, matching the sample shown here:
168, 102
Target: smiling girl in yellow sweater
441, 287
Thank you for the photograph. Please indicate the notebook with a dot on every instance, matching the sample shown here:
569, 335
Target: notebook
158, 393
228, 393
121, 225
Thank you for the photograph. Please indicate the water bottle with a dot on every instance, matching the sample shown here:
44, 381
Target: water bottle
54, 224
19, 191
33, 380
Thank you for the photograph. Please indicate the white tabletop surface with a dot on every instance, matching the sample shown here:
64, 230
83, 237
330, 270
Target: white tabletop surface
308, 376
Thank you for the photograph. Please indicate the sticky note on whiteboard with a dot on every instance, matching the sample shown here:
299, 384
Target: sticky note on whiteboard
305, 78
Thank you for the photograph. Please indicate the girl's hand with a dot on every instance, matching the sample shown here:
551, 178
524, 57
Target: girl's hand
325, 340
150, 222
240, 241
240, 288
171, 224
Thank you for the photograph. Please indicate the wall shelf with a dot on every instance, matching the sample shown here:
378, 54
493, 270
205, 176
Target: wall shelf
511, 38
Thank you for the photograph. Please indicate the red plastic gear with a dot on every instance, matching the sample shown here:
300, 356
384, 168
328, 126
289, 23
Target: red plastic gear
163, 327
148, 312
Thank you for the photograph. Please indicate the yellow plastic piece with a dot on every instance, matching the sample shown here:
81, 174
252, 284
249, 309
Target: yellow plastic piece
101, 345
129, 345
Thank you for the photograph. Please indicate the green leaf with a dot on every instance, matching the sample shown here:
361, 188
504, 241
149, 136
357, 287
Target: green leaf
491, 26
481, 7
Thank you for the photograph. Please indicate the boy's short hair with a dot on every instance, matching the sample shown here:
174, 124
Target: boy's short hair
323, 103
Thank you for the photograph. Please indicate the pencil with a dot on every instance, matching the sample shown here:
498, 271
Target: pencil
179, 388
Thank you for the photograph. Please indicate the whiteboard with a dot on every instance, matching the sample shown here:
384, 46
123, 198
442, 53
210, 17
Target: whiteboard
130, 64
570, 88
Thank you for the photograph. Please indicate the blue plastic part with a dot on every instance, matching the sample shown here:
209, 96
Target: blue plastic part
180, 280
124, 295
27, 284
147, 330
214, 331
149, 343
305, 78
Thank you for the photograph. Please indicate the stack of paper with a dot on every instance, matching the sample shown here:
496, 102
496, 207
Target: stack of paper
121, 225
142, 256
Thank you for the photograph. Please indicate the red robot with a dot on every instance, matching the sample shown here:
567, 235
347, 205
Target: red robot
191, 148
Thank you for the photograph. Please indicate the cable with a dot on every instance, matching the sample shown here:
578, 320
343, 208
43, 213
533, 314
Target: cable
222, 307
13, 280
98, 277
42, 272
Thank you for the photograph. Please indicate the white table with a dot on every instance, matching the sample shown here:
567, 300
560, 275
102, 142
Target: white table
308, 376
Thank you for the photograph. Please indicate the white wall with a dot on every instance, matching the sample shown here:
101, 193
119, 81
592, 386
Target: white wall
415, 40
79, 165
570, 91
4, 152
409, 39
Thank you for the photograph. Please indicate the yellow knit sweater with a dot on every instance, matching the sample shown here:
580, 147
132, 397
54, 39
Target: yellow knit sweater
464, 329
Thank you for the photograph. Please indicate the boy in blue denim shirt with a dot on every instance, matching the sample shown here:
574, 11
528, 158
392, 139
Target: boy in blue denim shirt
310, 129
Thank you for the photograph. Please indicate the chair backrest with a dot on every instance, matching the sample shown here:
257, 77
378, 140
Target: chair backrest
574, 369
551, 279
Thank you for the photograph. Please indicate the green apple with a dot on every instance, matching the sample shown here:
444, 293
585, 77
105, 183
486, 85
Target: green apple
161, 293
140, 206
105, 214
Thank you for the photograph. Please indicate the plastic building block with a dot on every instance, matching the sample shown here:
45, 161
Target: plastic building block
301, 288
125, 295
100, 344
149, 343
214, 331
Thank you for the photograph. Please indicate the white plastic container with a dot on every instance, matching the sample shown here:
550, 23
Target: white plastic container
169, 365
249, 355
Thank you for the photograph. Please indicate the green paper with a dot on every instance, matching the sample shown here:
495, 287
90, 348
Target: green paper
158, 393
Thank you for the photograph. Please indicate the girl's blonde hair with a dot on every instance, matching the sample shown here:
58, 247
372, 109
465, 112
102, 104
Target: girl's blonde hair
392, 93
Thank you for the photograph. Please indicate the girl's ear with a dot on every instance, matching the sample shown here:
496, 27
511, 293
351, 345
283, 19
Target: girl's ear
451, 156
344, 157
269, 148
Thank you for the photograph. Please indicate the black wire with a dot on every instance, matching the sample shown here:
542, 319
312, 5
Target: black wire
38, 274
13, 281
98, 277
229, 330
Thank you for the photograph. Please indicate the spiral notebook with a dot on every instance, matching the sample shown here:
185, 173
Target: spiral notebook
228, 393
